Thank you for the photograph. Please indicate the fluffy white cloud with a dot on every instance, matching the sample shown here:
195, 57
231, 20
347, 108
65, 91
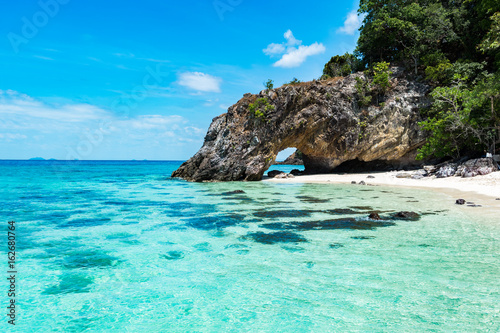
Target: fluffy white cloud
200, 81
296, 57
351, 23
292, 52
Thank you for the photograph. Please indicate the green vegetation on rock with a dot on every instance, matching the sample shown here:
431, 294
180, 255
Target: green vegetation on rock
454, 46
260, 108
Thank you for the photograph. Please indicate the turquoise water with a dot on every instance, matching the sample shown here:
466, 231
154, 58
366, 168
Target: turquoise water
121, 247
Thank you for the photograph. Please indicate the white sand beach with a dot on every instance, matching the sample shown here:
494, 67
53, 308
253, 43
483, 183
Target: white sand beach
482, 190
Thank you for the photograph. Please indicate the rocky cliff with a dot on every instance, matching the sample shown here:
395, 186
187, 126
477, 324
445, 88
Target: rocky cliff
328, 121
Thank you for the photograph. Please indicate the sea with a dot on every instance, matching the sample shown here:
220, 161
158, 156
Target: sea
120, 246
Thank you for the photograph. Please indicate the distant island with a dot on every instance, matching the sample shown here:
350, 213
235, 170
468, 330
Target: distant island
41, 159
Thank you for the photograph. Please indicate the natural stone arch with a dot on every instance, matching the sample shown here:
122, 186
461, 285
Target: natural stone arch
320, 118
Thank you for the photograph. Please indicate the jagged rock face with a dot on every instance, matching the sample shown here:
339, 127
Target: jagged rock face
323, 119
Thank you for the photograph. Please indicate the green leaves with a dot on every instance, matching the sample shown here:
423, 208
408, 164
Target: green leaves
381, 76
260, 109
340, 66
458, 121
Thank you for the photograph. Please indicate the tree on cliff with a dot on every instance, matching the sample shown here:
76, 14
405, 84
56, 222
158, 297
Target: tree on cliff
455, 45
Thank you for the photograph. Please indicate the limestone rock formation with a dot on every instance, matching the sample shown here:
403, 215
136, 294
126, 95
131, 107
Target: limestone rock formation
325, 120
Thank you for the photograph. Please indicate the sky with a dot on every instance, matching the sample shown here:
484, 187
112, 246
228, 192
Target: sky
122, 80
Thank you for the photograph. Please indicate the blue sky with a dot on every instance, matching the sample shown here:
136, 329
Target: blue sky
142, 80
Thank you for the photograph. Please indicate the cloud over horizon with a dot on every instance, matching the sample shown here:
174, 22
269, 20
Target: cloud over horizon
292, 52
53, 130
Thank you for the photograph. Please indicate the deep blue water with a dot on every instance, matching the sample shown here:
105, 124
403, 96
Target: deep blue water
119, 246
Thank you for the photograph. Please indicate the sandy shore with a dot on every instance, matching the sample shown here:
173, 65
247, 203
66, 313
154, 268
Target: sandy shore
483, 190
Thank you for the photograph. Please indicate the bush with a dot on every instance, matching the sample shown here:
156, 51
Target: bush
381, 76
260, 108
269, 84
363, 89
294, 82
340, 66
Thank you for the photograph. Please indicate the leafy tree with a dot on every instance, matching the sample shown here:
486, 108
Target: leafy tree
341, 66
269, 84
454, 123
381, 76
456, 44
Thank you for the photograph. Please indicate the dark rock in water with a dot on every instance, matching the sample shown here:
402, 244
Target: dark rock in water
353, 182
320, 119
460, 202
233, 192
282, 213
173, 255
342, 211
296, 172
344, 223
274, 173
363, 237
89, 259
362, 182
307, 198
215, 222
362, 207
424, 245
497, 199
370, 177
335, 245
474, 205
374, 216
276, 237
409, 216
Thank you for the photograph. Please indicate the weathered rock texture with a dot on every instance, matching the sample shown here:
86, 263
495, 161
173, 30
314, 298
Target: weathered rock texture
323, 119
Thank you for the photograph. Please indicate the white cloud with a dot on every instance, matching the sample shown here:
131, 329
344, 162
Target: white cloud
351, 23
292, 52
56, 128
16, 104
296, 57
200, 82
274, 49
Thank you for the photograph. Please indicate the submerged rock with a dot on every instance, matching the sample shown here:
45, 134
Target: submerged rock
374, 216
233, 192
276, 237
173, 255
320, 118
409, 216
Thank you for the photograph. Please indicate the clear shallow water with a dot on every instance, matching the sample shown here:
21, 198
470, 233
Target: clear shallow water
120, 247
